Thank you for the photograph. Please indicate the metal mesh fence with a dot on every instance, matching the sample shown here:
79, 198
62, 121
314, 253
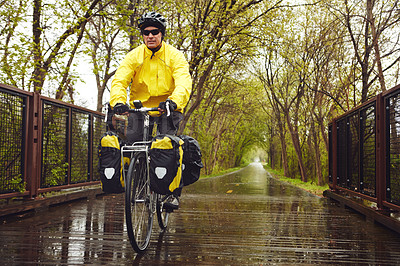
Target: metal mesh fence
54, 145
80, 147
356, 154
330, 155
12, 141
393, 150
342, 153
99, 128
353, 177
368, 151
68, 144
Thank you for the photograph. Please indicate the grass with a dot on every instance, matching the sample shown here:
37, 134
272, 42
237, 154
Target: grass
309, 186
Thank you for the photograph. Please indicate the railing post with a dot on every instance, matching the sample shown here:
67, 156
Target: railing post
69, 145
334, 155
380, 152
90, 149
33, 152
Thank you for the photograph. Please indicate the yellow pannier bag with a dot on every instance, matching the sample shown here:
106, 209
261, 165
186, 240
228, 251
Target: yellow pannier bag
110, 163
166, 156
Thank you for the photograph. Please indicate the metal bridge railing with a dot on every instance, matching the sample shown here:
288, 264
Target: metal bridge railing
13, 116
45, 144
364, 151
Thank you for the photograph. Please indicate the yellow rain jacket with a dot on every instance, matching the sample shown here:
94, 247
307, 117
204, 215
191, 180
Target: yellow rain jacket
154, 77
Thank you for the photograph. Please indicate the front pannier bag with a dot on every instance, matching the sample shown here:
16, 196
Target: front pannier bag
110, 163
166, 156
191, 160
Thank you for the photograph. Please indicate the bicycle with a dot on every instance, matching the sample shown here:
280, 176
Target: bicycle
140, 202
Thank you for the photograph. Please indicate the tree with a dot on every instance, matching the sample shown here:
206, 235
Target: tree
366, 26
52, 47
13, 38
109, 37
43, 59
217, 30
302, 78
269, 78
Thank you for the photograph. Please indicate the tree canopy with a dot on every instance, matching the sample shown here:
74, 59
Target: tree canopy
266, 75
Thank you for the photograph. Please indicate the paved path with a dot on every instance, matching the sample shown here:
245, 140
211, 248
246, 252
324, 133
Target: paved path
245, 218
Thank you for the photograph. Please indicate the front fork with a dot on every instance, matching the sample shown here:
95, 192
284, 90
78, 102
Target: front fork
153, 195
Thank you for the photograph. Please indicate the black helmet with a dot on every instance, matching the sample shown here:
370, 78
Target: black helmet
153, 19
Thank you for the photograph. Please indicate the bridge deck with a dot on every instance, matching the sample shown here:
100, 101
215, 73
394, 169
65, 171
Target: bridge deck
242, 218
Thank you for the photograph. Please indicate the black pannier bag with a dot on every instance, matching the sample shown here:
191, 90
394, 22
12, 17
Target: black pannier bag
191, 160
110, 166
166, 156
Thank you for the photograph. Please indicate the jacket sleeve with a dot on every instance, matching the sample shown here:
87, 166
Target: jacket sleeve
182, 80
122, 79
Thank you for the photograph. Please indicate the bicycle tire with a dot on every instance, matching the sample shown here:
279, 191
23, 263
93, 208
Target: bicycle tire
138, 203
162, 213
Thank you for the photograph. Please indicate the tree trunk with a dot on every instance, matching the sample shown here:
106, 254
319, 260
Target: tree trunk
322, 128
362, 59
296, 143
375, 38
317, 152
282, 138
38, 73
65, 84
100, 93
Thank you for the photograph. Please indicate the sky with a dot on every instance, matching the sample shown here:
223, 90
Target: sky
86, 93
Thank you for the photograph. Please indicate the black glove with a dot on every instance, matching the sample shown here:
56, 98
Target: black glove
163, 105
121, 108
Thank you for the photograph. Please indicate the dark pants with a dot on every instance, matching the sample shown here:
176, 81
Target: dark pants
166, 125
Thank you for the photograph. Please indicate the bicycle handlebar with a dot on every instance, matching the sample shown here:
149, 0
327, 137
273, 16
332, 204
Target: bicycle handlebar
146, 109
143, 110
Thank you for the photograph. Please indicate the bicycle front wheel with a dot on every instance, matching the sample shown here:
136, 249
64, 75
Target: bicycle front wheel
138, 203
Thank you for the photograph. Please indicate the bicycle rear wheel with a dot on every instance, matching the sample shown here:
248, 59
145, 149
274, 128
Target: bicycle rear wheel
162, 213
138, 203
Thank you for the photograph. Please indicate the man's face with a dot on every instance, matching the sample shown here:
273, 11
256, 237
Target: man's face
152, 40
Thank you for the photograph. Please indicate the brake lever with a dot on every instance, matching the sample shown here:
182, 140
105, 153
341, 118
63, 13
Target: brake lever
167, 107
106, 118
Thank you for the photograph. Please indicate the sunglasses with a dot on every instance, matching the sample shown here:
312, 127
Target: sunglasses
153, 32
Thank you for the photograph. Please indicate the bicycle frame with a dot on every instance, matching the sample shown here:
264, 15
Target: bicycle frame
140, 200
140, 146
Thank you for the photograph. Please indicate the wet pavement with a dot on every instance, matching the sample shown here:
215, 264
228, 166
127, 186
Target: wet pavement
244, 218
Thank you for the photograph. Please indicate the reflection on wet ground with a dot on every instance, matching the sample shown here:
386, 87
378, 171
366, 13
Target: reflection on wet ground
242, 218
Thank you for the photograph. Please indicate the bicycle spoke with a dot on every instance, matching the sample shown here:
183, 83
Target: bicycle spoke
139, 220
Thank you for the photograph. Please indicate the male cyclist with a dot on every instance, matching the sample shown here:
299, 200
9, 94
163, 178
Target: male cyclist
157, 74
